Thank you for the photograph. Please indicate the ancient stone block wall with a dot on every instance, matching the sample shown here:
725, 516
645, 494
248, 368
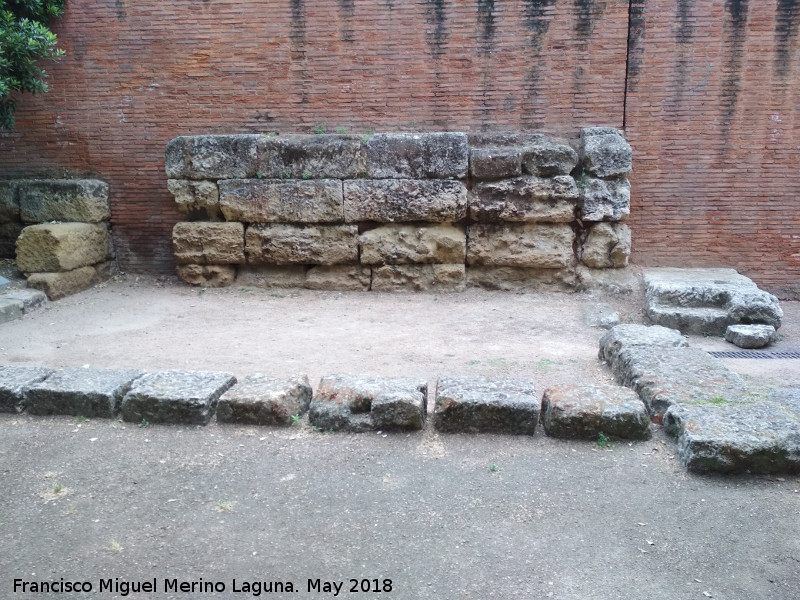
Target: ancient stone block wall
407, 211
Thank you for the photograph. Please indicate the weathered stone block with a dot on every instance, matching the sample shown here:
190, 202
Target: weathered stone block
387, 201
212, 157
14, 381
515, 279
187, 397
755, 306
750, 336
276, 201
604, 152
78, 200
486, 405
604, 200
312, 156
495, 163
417, 156
197, 199
404, 244
262, 400
608, 281
350, 403
66, 283
530, 199
10, 309
269, 276
600, 315
9, 232
53, 247
535, 245
629, 336
352, 278
282, 244
9, 202
547, 158
607, 245
205, 275
203, 243
584, 412
79, 391
503, 139
417, 278
31, 299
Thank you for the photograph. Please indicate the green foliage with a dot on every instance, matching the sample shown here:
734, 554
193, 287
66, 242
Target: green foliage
602, 440
24, 40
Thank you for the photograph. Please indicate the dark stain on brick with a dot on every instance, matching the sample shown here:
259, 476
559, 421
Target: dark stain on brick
347, 11
537, 21
735, 35
787, 13
119, 7
685, 28
486, 25
538, 14
584, 10
436, 19
297, 45
684, 35
298, 27
637, 26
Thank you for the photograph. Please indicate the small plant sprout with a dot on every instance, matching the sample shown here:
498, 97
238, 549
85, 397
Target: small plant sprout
144, 423
493, 468
319, 129
306, 175
57, 489
114, 547
295, 419
223, 506
80, 419
341, 130
602, 440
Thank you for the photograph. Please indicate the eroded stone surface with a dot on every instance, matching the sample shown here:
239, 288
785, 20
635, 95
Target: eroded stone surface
9, 203
187, 397
350, 403
575, 411
604, 152
206, 275
278, 201
750, 336
535, 245
312, 156
204, 243
268, 276
78, 391
600, 315
262, 400
417, 156
547, 158
13, 381
486, 405
495, 163
10, 309
212, 157
629, 336
66, 283
197, 199
404, 200
410, 244
53, 247
530, 199
417, 278
515, 279
353, 278
78, 200
282, 244
604, 200
607, 246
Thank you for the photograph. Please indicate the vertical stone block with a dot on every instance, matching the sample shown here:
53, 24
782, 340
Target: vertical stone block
197, 199
607, 245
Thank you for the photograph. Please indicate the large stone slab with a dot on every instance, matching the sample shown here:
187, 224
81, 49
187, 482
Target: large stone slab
282, 244
78, 200
607, 246
9, 202
206, 275
417, 156
278, 201
262, 400
604, 200
418, 278
312, 156
199, 200
78, 391
352, 278
604, 152
66, 283
398, 200
204, 243
586, 411
53, 247
410, 244
750, 336
495, 163
212, 157
13, 382
626, 336
528, 199
759, 438
529, 245
548, 158
476, 404
348, 403
186, 397
516, 279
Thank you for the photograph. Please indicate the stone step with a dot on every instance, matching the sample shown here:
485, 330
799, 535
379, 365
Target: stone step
698, 321
689, 295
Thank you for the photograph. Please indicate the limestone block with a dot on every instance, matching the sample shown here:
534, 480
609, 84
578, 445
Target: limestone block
197, 199
171, 396
352, 278
269, 276
534, 245
608, 245
387, 201
10, 309
207, 275
547, 158
14, 381
343, 402
204, 243
79, 391
278, 201
750, 336
503, 139
78, 200
604, 200
608, 281
417, 156
604, 152
31, 299
312, 156
9, 202
53, 247
530, 199
755, 306
408, 244
476, 404
212, 157
64, 283
622, 337
9, 232
417, 278
517, 279
494, 163
262, 400
282, 244
584, 412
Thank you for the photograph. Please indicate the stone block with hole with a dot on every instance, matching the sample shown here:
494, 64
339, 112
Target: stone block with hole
750, 336
199, 200
81, 391
476, 404
177, 397
586, 411
13, 382
259, 399
353, 403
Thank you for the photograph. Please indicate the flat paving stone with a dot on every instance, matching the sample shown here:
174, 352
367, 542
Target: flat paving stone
262, 400
477, 404
13, 381
629, 336
750, 336
586, 411
348, 403
172, 396
10, 310
31, 299
79, 391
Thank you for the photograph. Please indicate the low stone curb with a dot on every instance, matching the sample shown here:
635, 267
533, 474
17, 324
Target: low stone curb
15, 303
261, 400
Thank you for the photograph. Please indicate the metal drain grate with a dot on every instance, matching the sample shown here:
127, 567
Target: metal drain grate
752, 354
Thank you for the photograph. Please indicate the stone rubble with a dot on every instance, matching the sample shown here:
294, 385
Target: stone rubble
750, 336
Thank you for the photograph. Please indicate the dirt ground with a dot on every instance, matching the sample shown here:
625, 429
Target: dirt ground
552, 519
